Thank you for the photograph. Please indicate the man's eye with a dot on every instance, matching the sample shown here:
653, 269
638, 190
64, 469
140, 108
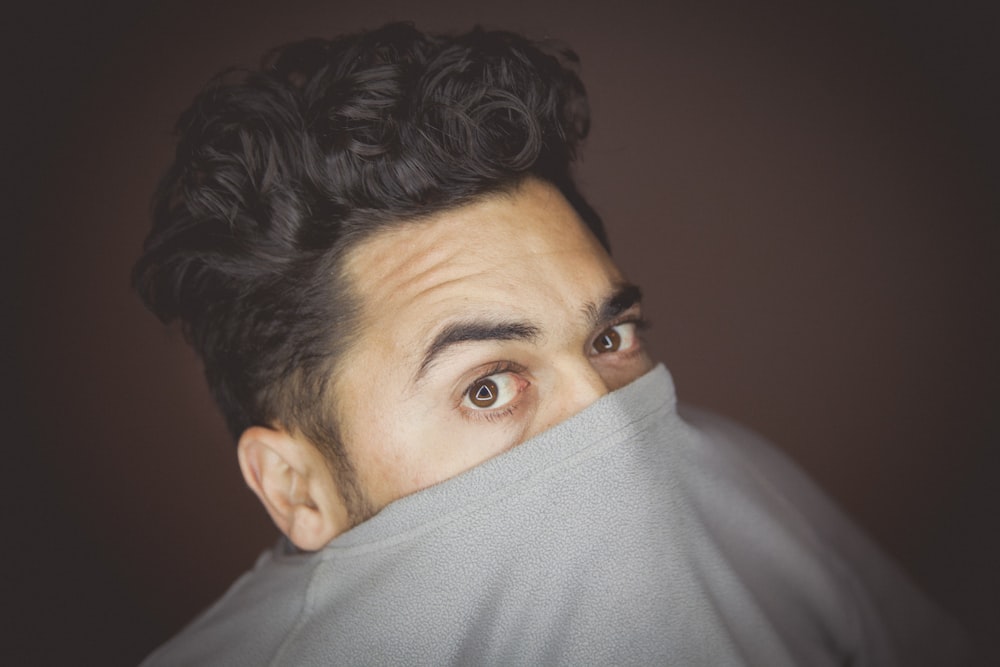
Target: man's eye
494, 391
613, 339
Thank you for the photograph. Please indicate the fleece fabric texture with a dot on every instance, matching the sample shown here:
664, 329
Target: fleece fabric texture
627, 535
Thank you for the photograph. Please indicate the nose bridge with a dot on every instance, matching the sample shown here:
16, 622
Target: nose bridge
579, 385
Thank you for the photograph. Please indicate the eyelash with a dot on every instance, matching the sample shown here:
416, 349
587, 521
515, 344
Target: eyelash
629, 318
511, 367
637, 321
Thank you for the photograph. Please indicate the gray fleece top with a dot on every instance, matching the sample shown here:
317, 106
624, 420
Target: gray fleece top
627, 535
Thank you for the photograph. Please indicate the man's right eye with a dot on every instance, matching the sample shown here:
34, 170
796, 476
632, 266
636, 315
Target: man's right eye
491, 392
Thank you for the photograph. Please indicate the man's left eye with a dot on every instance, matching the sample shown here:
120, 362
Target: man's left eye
616, 338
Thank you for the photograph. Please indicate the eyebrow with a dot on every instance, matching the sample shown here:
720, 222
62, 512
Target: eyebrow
624, 297
474, 331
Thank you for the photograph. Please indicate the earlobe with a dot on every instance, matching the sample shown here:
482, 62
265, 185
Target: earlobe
292, 481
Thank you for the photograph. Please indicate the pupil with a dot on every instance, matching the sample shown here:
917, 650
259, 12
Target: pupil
485, 395
609, 341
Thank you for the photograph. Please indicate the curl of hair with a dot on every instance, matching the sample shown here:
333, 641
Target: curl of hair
280, 170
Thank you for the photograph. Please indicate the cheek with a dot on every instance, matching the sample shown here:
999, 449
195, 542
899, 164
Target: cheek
447, 446
453, 445
375, 427
616, 376
402, 441
400, 444
407, 447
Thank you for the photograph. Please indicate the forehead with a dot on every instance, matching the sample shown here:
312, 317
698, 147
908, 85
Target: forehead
525, 255
522, 254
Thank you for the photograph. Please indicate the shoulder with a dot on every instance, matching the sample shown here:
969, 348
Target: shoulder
249, 624
899, 623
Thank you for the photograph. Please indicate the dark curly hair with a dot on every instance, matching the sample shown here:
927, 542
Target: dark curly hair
279, 171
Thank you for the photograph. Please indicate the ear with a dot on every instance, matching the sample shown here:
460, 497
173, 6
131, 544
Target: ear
292, 480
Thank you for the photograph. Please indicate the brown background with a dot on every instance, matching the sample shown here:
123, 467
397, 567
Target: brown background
806, 191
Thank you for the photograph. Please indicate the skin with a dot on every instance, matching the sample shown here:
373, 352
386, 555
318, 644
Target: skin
520, 270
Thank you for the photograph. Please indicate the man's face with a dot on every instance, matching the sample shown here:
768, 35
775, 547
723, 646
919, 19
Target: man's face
481, 327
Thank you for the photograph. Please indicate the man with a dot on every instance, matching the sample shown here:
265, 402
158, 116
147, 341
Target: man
432, 368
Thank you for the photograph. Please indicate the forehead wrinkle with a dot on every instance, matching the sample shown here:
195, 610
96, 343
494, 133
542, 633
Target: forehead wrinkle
443, 284
405, 269
427, 268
